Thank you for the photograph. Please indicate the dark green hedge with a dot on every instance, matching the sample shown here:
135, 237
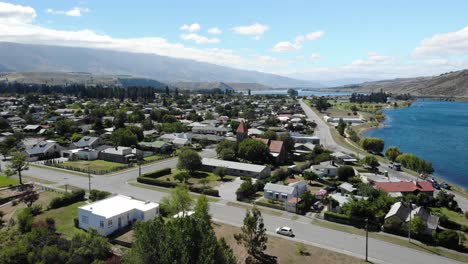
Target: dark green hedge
158, 173
67, 199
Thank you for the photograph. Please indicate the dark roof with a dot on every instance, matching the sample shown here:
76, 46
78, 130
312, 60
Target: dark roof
86, 141
40, 147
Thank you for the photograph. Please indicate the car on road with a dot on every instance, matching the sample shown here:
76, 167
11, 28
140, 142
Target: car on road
285, 231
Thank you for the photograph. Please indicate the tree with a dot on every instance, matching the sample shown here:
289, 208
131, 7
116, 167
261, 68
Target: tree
246, 190
7, 145
182, 176
418, 226
415, 163
65, 127
88, 246
375, 145
269, 134
76, 137
321, 104
307, 201
288, 144
17, 164
124, 137
147, 124
178, 201
227, 154
202, 209
253, 236
221, 172
448, 238
310, 176
189, 160
392, 153
345, 172
25, 219
120, 119
292, 92
370, 161
254, 151
341, 127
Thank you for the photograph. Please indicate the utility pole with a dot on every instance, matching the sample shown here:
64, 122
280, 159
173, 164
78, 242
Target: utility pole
89, 178
409, 226
367, 238
139, 168
66, 184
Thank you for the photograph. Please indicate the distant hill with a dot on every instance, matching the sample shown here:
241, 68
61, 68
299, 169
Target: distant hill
41, 58
452, 84
201, 85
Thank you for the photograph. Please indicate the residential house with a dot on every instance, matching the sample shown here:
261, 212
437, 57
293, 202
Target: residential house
342, 199
303, 139
325, 169
159, 146
277, 150
343, 158
289, 194
403, 213
118, 154
44, 150
88, 142
236, 168
210, 130
111, 214
178, 139
405, 187
32, 129
346, 187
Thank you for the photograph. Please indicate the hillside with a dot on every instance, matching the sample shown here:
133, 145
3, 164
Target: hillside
452, 84
41, 58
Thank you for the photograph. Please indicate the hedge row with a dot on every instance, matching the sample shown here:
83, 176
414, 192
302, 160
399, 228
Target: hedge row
344, 219
274, 206
96, 195
158, 173
169, 184
67, 199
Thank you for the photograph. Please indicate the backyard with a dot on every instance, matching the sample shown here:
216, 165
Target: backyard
63, 219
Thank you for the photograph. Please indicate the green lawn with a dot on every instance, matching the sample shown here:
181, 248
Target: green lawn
64, 219
94, 166
155, 158
168, 190
394, 240
453, 216
213, 179
6, 181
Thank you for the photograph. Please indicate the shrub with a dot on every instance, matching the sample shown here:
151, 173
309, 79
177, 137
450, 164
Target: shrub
345, 172
36, 209
67, 199
96, 195
25, 220
158, 173
156, 182
447, 238
246, 178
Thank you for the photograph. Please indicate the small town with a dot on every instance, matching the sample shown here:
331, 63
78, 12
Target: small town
102, 165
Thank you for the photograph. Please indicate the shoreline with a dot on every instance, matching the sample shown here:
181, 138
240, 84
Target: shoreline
439, 178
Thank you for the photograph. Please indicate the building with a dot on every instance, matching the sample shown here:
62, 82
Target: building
44, 150
282, 192
32, 128
111, 214
303, 139
325, 169
118, 154
242, 131
88, 142
220, 131
236, 168
158, 146
406, 187
343, 199
403, 213
352, 120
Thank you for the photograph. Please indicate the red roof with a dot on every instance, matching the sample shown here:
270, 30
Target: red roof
242, 128
276, 146
263, 140
292, 180
294, 200
405, 186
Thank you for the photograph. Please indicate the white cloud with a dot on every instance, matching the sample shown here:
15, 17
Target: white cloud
286, 46
215, 31
283, 46
373, 58
444, 44
17, 25
74, 12
255, 30
191, 28
10, 13
199, 39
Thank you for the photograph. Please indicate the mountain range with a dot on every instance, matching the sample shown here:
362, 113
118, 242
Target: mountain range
451, 84
43, 58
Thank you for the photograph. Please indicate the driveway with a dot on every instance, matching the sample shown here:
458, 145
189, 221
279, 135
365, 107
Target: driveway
227, 190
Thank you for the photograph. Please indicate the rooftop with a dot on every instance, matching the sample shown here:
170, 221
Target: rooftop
116, 205
233, 165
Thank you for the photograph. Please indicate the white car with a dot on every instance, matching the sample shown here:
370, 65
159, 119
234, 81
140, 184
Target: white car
285, 231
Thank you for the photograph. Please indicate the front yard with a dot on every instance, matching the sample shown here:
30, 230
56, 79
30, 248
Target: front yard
94, 166
6, 181
198, 177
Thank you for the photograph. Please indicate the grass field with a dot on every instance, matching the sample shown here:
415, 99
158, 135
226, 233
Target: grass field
155, 158
64, 219
6, 181
285, 250
453, 216
94, 166
394, 240
213, 180
168, 190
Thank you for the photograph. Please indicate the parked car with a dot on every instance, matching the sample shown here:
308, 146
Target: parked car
395, 166
285, 231
318, 206
445, 185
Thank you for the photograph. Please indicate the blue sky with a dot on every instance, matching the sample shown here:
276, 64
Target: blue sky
317, 40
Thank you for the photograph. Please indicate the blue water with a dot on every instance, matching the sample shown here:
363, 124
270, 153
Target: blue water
433, 130
300, 93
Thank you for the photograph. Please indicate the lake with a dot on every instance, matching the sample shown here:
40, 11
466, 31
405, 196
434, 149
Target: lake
300, 92
433, 130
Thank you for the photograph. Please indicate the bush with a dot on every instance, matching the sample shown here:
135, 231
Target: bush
67, 199
156, 182
447, 238
36, 209
96, 195
345, 172
246, 178
25, 220
158, 173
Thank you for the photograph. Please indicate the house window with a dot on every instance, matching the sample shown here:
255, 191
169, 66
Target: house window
109, 223
84, 219
284, 196
101, 224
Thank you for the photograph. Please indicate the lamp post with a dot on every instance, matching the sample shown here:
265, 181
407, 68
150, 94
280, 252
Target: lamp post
66, 184
367, 238
89, 177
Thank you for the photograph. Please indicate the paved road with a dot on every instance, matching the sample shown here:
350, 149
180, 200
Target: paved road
323, 132
379, 251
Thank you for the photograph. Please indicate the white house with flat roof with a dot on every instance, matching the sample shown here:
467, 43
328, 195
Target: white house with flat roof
111, 214
236, 168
